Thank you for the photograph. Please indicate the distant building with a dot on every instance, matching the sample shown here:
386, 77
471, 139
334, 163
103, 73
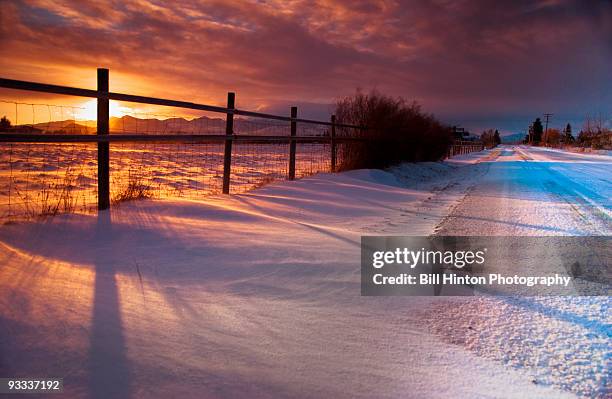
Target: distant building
459, 133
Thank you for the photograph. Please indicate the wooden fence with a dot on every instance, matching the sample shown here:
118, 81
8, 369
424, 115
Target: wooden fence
103, 138
460, 147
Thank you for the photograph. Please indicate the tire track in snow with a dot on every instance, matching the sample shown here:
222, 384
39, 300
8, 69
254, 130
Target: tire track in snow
482, 166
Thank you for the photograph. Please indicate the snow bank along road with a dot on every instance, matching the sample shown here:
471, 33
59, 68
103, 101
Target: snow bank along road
257, 295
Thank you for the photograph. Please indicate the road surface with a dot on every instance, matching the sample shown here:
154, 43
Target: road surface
537, 191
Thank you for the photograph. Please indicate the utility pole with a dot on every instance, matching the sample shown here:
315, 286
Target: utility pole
547, 116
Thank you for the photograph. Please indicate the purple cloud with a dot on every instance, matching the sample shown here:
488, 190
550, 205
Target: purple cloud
464, 60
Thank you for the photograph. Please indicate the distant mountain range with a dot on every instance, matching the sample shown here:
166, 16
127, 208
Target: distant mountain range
130, 125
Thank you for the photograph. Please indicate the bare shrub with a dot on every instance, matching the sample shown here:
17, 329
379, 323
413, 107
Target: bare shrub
397, 131
490, 138
595, 134
265, 180
52, 199
136, 189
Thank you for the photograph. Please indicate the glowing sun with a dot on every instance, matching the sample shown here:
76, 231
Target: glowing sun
89, 110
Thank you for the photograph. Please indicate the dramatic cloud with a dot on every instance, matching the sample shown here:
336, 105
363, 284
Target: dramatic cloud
477, 62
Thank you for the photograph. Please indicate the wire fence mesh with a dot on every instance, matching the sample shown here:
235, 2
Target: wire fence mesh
261, 127
36, 118
312, 158
152, 123
313, 130
42, 179
257, 164
46, 179
164, 170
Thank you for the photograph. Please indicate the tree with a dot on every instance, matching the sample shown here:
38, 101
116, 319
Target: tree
530, 134
538, 129
567, 134
5, 124
487, 138
496, 138
585, 137
490, 138
551, 137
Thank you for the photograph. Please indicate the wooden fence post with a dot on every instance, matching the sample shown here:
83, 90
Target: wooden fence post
102, 125
229, 131
292, 143
333, 143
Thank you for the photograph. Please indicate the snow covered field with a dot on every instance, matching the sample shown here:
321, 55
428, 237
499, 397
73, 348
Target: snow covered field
257, 295
37, 179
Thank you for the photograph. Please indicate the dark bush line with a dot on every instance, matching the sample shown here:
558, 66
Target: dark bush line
397, 132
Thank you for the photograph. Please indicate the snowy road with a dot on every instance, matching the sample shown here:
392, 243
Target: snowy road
537, 191
258, 294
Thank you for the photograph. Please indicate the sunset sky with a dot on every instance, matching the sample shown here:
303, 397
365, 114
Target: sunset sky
476, 63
